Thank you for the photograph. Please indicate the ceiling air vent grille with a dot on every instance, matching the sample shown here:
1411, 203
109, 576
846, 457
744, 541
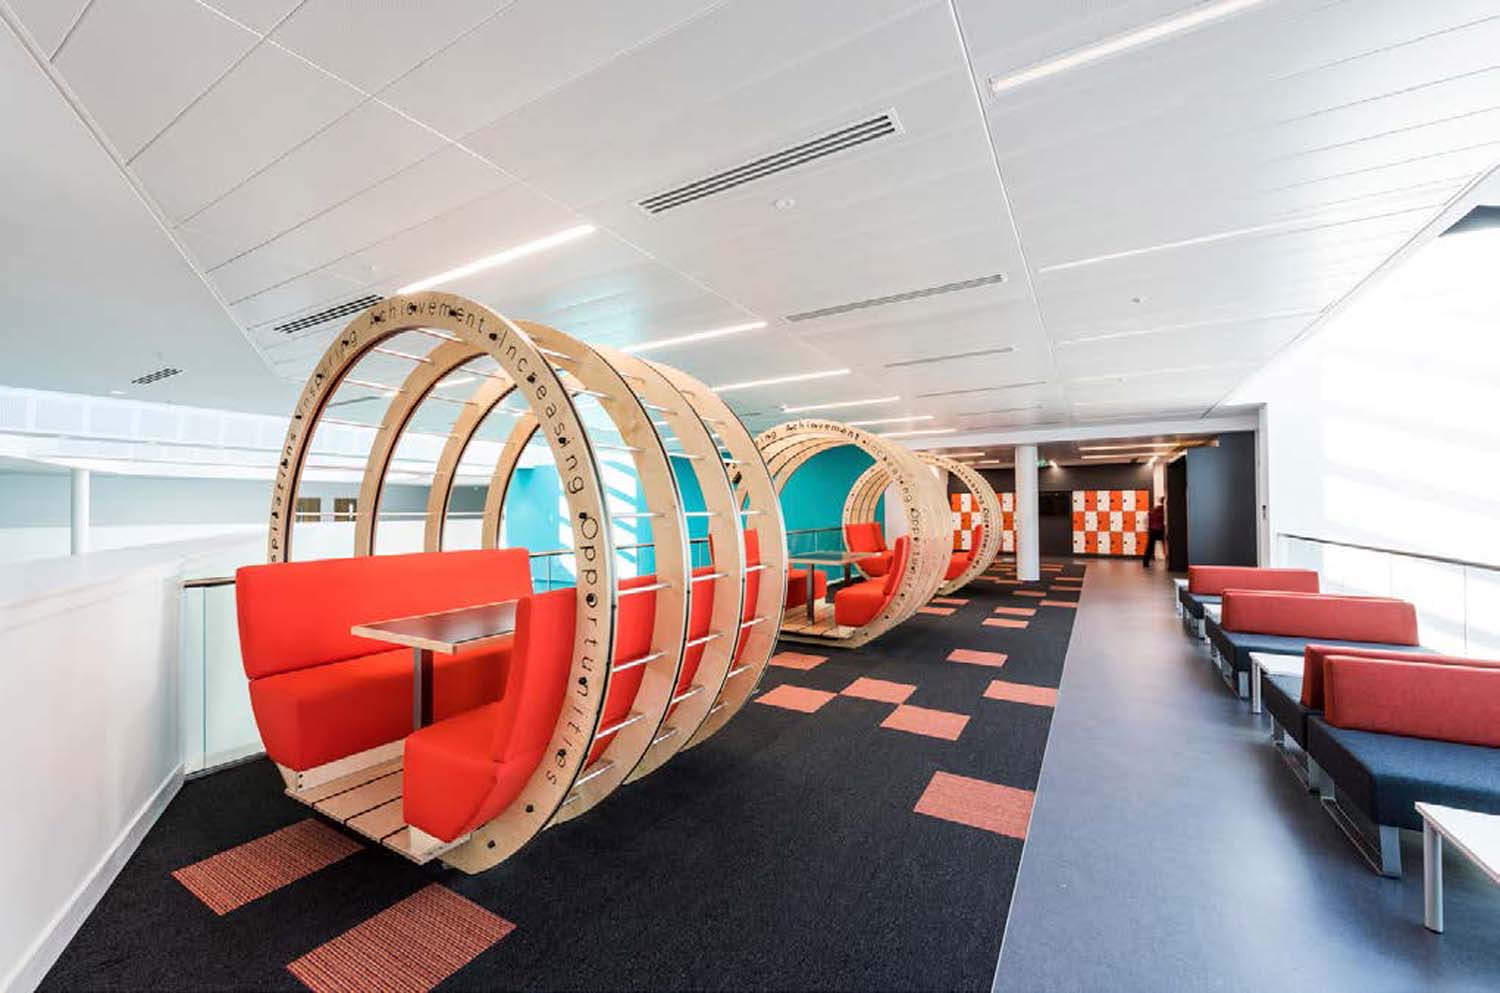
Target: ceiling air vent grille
165, 372
845, 138
331, 314
929, 291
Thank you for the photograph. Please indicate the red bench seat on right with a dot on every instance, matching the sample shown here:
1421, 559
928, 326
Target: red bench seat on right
866, 536
858, 603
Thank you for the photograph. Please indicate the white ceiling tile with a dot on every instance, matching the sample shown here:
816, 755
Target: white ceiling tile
257, 15
374, 43
337, 164
265, 107
48, 21
136, 64
444, 181
507, 62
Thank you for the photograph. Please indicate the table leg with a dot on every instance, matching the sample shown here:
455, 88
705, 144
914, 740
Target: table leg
421, 688
1432, 877
812, 608
1255, 676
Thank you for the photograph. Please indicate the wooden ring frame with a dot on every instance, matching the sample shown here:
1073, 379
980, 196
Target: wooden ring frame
547, 368
875, 480
788, 446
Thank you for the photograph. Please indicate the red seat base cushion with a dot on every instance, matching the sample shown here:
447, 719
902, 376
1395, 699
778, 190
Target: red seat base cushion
857, 604
1338, 618
313, 716
875, 566
1415, 699
1213, 580
451, 785
796, 586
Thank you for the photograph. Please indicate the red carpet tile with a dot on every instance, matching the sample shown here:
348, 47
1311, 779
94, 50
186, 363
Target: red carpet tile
797, 698
796, 660
1037, 696
1060, 603
1017, 611
1007, 582
976, 803
1003, 622
409, 947
879, 689
248, 872
932, 723
1037, 593
952, 601
972, 657
939, 611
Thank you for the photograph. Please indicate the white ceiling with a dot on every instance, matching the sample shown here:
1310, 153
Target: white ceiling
1166, 219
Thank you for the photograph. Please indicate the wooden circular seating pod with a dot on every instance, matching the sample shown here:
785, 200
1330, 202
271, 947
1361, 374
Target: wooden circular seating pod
964, 565
601, 681
918, 559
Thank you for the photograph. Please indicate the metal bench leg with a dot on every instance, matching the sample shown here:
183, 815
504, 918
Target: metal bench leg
1318, 781
1242, 684
1390, 851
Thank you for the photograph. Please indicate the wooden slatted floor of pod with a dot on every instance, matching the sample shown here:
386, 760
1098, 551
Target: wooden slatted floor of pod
367, 801
794, 623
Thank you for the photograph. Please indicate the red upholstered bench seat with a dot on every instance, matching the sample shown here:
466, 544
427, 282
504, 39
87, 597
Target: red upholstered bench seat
859, 603
959, 561
1314, 656
318, 692
1213, 580
796, 586
464, 771
866, 537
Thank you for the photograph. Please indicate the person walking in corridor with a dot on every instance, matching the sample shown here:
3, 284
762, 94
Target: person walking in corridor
1156, 530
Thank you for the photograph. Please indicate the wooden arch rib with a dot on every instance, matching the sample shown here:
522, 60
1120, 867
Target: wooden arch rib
787, 447
477, 330
758, 507
988, 507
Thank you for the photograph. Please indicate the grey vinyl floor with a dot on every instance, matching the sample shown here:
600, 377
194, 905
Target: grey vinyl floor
1171, 849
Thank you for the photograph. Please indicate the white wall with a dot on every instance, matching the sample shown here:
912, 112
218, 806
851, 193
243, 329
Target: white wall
91, 729
1381, 430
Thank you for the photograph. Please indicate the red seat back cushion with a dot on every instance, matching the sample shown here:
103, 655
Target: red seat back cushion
864, 537
635, 621
700, 615
538, 679
1340, 618
1445, 702
899, 556
1313, 657
1213, 580
298, 614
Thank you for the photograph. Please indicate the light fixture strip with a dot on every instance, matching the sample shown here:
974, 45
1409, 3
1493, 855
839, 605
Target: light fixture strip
1196, 17
800, 377
912, 434
1128, 448
837, 405
890, 420
501, 258
687, 339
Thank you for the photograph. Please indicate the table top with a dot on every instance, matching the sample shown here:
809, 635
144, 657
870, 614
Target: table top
1181, 584
1475, 834
1213, 610
829, 558
1277, 665
445, 631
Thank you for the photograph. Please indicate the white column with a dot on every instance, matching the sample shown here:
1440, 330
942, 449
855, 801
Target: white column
79, 532
1028, 547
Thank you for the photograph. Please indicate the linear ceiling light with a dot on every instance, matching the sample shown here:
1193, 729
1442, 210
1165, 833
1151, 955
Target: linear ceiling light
890, 420
837, 405
800, 377
1199, 15
686, 339
964, 455
1121, 457
500, 258
1128, 448
912, 434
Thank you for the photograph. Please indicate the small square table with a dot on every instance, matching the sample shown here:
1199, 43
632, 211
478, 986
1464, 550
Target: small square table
1474, 834
1266, 663
444, 631
812, 559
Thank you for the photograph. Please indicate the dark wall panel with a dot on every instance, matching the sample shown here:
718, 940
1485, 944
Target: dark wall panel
1221, 501
1055, 533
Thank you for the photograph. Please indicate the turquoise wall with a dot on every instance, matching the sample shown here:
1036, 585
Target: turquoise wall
814, 498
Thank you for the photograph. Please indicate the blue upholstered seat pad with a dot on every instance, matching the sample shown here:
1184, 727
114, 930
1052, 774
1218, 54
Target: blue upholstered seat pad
1281, 696
1193, 602
1384, 774
1236, 646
